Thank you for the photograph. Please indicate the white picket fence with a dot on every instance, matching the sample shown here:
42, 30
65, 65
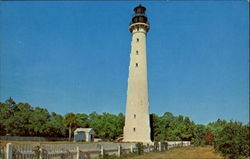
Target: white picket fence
78, 151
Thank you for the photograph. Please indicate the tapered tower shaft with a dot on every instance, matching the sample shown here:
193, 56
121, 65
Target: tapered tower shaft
137, 125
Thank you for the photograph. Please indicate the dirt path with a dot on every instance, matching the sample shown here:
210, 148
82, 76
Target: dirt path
206, 152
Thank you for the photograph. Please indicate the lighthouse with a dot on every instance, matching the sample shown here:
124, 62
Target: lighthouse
137, 125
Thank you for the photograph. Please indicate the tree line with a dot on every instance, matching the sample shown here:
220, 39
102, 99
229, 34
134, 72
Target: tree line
231, 138
21, 119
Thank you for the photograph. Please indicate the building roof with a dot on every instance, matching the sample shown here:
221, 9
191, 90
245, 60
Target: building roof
83, 130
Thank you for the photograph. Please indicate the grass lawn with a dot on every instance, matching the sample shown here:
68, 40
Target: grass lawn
206, 152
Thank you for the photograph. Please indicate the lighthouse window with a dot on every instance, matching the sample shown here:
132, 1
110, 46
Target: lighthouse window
137, 39
134, 116
136, 64
137, 52
134, 129
137, 29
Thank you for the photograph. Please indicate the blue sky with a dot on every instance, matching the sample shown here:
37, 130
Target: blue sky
74, 57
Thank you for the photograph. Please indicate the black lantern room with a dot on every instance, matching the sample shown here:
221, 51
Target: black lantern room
139, 15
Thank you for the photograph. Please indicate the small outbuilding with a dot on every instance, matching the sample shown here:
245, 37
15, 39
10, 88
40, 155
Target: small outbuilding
84, 134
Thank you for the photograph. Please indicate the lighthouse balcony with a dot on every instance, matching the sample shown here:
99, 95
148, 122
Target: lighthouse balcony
133, 26
139, 22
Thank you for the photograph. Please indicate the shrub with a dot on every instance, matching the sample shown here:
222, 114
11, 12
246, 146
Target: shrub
140, 148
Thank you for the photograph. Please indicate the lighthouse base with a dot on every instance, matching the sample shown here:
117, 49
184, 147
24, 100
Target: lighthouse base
141, 136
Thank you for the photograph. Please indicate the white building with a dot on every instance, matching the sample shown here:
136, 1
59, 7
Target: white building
84, 134
137, 125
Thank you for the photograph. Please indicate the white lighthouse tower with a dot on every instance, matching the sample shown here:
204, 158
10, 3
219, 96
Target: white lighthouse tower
137, 125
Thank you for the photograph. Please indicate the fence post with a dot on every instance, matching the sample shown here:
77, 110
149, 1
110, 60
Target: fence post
102, 151
77, 152
148, 148
159, 146
9, 151
119, 151
131, 148
41, 153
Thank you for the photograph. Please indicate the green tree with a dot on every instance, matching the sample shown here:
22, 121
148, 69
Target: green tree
120, 122
233, 140
7, 111
4, 116
83, 120
188, 131
55, 126
70, 121
11, 104
199, 133
19, 122
169, 127
39, 122
155, 127
217, 126
107, 126
166, 126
